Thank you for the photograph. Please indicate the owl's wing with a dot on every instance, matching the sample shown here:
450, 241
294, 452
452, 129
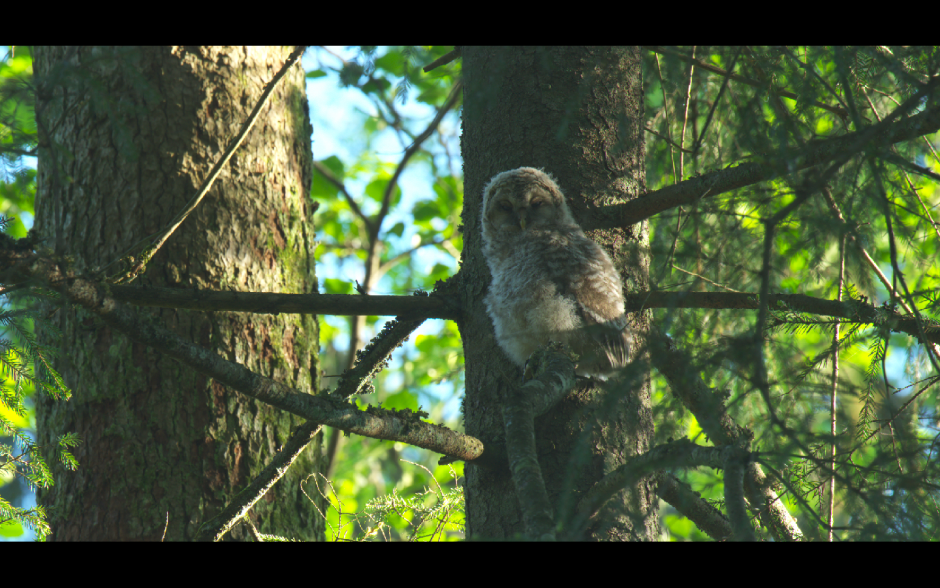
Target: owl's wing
599, 298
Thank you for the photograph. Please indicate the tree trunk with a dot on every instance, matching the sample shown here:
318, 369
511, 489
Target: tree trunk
578, 114
129, 134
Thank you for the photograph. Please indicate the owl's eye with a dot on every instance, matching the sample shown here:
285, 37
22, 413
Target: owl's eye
505, 205
537, 203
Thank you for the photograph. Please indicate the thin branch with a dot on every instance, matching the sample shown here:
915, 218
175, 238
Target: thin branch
835, 390
443, 60
933, 351
668, 141
854, 310
910, 184
328, 176
735, 460
455, 95
683, 454
685, 114
216, 527
157, 241
711, 111
662, 87
371, 360
739, 78
376, 225
703, 278
902, 408
805, 67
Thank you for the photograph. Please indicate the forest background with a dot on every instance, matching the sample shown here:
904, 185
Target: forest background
369, 105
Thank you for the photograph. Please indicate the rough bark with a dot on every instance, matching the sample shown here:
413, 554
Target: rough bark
577, 113
128, 136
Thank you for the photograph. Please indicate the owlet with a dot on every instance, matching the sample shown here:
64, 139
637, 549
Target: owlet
550, 281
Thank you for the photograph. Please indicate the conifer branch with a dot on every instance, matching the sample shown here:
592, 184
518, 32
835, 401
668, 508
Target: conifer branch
816, 153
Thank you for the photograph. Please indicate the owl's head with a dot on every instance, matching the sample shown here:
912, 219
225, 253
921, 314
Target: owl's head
520, 200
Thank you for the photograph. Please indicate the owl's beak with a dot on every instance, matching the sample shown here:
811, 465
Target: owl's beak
522, 222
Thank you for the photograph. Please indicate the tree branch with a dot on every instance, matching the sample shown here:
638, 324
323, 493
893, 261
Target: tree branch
157, 241
443, 306
328, 176
216, 527
734, 460
406, 307
816, 153
553, 380
853, 310
443, 60
682, 453
721, 429
375, 356
690, 504
403, 426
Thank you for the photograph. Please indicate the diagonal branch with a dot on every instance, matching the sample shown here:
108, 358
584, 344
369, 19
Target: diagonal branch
375, 356
681, 453
216, 527
328, 176
816, 153
157, 241
706, 517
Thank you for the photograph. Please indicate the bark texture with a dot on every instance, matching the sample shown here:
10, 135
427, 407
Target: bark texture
578, 114
129, 134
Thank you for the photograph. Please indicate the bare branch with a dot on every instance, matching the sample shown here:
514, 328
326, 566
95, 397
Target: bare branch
735, 460
374, 357
216, 527
443, 60
444, 306
682, 453
409, 307
328, 176
157, 241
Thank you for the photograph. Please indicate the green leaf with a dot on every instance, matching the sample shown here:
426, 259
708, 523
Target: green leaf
397, 230
336, 286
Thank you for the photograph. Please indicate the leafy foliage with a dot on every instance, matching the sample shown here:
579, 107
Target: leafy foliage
388, 223
396, 247
717, 244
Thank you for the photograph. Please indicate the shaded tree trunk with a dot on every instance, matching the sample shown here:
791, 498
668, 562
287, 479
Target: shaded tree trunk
578, 114
128, 136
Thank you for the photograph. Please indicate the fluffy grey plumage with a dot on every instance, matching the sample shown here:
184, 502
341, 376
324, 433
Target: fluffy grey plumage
550, 282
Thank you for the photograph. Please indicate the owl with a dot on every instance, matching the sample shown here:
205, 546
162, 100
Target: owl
550, 282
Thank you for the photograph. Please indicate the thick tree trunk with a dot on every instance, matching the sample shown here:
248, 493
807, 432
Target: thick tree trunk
128, 136
578, 114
